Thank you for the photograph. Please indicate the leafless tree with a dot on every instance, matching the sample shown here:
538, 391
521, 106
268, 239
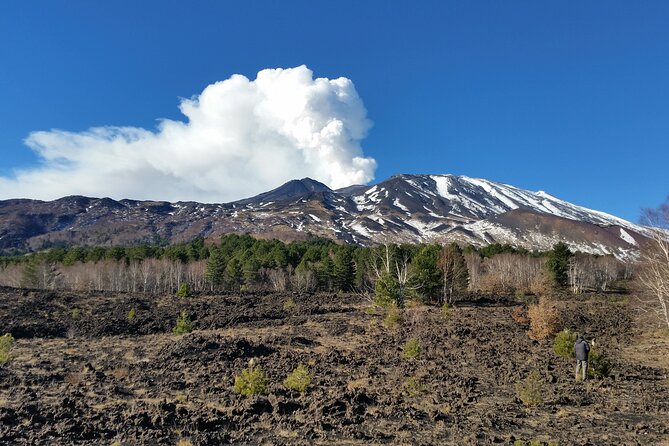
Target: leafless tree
475, 269
277, 278
654, 274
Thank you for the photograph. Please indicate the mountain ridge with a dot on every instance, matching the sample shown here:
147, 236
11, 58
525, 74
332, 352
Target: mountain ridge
406, 208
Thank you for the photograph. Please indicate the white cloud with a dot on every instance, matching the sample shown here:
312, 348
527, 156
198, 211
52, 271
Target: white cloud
241, 137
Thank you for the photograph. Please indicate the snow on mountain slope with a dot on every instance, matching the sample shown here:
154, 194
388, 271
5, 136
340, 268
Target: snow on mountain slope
449, 207
403, 208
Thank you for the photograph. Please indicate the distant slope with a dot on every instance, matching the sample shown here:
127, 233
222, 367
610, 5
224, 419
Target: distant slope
403, 208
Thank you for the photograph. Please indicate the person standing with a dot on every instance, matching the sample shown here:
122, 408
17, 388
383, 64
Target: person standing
581, 350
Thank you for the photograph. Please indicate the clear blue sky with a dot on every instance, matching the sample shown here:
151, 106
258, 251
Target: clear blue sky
569, 97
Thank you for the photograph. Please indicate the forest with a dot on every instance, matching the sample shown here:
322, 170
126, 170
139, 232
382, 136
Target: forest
243, 264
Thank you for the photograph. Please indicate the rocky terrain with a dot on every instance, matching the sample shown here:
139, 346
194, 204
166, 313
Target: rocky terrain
402, 209
82, 372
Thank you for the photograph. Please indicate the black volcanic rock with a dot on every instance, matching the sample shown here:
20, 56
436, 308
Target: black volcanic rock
287, 191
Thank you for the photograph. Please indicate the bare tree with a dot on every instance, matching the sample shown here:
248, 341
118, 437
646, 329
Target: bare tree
475, 269
277, 278
654, 275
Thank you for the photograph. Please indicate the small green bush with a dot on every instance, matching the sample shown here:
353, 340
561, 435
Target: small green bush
75, 313
563, 346
386, 291
252, 381
132, 314
446, 312
371, 310
184, 324
184, 290
411, 349
393, 317
289, 304
413, 387
299, 379
6, 342
531, 391
598, 365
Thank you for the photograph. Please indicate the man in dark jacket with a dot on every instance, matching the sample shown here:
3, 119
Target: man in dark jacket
581, 349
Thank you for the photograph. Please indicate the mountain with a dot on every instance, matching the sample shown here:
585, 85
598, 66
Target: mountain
403, 208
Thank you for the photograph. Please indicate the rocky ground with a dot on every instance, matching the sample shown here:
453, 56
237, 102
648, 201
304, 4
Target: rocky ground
81, 372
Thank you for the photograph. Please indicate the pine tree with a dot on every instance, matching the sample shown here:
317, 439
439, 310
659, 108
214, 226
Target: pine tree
427, 277
344, 270
558, 264
325, 274
215, 271
233, 274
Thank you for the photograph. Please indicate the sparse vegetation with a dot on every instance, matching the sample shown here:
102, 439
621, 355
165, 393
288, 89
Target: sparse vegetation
544, 319
519, 315
393, 317
184, 290
446, 312
132, 314
531, 391
75, 313
184, 324
371, 310
6, 342
289, 304
299, 379
412, 349
413, 387
535, 443
252, 381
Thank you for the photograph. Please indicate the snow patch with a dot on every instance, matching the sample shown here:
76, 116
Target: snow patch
627, 237
442, 183
397, 204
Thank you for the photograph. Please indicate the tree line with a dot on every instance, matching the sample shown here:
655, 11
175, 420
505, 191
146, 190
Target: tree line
240, 263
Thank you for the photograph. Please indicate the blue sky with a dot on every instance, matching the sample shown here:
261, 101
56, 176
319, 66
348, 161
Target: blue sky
567, 97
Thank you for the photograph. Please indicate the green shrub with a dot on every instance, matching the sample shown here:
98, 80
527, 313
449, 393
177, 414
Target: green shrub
184, 290
299, 379
6, 342
531, 391
252, 381
413, 387
75, 313
446, 311
386, 291
132, 314
563, 346
411, 349
393, 317
598, 365
184, 325
371, 310
289, 304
